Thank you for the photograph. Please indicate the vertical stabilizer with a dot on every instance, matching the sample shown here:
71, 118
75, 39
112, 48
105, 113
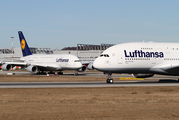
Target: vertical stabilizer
24, 46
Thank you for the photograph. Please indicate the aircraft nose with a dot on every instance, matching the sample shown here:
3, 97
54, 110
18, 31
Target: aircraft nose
97, 64
75, 65
79, 65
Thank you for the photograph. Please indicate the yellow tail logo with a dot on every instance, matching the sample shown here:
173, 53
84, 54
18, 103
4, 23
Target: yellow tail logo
23, 44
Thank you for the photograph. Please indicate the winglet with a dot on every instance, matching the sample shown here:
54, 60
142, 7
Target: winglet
24, 46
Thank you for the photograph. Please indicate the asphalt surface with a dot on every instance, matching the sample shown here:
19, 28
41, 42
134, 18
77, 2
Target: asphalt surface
86, 84
158, 80
95, 74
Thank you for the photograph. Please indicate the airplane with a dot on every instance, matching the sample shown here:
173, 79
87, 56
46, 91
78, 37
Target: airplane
141, 59
37, 63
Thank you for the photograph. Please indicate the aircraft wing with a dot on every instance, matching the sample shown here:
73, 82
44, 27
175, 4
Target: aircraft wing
14, 63
12, 59
26, 65
169, 67
166, 68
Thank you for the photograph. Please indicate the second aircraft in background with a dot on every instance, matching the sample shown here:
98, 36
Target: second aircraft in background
47, 62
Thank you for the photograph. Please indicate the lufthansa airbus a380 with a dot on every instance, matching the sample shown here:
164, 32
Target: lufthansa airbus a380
39, 62
142, 59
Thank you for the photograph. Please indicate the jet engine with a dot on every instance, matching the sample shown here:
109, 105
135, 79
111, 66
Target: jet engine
82, 69
6, 66
32, 68
145, 75
90, 66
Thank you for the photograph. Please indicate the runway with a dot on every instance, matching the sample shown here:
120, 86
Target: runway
157, 80
93, 74
87, 84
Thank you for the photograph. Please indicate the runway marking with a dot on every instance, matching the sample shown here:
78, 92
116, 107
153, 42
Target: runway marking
125, 78
140, 78
122, 78
131, 78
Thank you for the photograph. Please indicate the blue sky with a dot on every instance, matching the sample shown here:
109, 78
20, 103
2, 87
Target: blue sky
63, 23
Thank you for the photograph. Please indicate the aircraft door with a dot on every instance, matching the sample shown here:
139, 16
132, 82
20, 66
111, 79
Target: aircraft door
167, 50
154, 60
119, 59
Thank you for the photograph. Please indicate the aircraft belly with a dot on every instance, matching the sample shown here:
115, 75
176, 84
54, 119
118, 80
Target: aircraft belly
48, 69
131, 67
126, 70
45, 69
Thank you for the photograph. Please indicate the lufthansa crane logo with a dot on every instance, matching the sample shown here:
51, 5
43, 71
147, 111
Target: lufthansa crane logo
23, 44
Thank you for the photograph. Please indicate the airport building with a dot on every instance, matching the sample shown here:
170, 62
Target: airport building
85, 52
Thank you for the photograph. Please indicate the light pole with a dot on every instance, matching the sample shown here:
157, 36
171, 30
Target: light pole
12, 47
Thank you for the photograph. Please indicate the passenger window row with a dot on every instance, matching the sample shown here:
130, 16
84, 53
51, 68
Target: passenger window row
171, 59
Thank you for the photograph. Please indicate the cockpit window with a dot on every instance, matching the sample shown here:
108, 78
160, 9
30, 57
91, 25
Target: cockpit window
104, 55
77, 61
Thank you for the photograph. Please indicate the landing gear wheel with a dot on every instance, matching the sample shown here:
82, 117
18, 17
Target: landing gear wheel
109, 81
60, 73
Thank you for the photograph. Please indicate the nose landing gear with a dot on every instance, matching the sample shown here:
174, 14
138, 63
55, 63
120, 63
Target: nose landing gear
109, 80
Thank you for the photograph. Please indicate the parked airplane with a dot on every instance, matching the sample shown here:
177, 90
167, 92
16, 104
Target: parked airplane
47, 62
142, 59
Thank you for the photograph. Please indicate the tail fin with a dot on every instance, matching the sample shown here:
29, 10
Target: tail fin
24, 46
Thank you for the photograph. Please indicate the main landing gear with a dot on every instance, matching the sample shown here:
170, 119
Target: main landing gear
109, 80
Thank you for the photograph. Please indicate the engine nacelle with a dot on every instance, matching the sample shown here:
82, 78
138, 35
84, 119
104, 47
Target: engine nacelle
6, 67
90, 66
32, 68
145, 75
82, 69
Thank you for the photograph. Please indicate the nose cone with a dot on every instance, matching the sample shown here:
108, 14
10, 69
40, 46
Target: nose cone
78, 65
75, 65
97, 64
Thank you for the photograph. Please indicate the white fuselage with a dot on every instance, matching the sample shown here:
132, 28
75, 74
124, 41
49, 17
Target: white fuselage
53, 62
140, 57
